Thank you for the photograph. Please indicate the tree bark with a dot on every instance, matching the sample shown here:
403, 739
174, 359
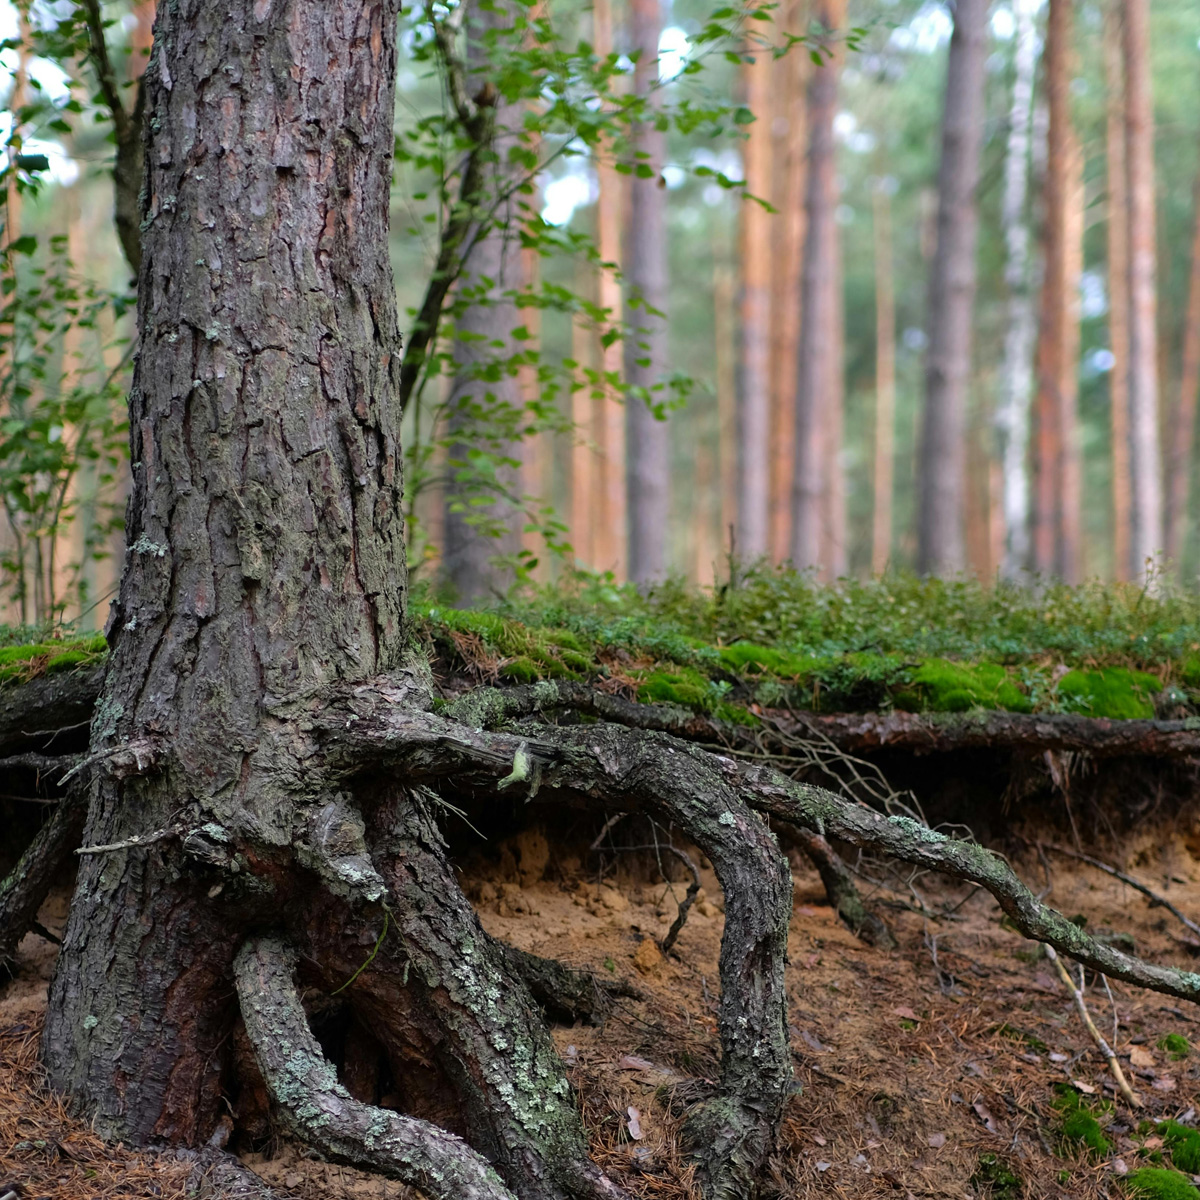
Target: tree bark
609, 533
754, 390
940, 548
1183, 432
1117, 235
818, 302
1056, 523
1012, 419
266, 553
648, 457
789, 135
1143, 344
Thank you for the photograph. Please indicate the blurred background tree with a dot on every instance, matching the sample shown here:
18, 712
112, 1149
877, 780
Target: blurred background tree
727, 217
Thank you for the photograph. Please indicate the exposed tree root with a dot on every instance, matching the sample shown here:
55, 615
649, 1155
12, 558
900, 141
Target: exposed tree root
49, 713
594, 761
321, 1111
843, 893
439, 985
563, 992
677, 783
26, 886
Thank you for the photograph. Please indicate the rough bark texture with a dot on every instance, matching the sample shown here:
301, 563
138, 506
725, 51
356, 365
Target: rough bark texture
942, 469
818, 309
639, 772
1143, 339
265, 538
305, 1086
648, 460
1012, 419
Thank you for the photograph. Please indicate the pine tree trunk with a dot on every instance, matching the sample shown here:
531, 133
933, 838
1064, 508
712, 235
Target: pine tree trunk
1070, 508
609, 542
754, 390
1183, 430
940, 549
1117, 234
648, 446
1012, 419
483, 523
818, 317
885, 383
789, 130
266, 545
1143, 344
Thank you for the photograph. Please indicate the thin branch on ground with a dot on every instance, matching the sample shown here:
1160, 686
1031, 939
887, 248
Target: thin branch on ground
1114, 1066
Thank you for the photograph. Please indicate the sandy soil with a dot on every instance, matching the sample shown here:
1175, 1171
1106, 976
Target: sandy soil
914, 1066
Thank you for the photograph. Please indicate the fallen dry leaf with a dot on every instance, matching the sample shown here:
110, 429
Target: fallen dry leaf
1141, 1057
985, 1115
635, 1123
631, 1062
902, 1010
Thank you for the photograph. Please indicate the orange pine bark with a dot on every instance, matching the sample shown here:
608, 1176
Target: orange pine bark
885, 383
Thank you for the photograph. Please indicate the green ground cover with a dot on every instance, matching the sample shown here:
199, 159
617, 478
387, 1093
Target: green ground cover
778, 640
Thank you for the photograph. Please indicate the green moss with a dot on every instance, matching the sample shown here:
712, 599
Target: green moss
1175, 1045
939, 685
996, 1179
21, 662
1079, 1124
1110, 692
1158, 1183
744, 658
1185, 1145
684, 686
522, 669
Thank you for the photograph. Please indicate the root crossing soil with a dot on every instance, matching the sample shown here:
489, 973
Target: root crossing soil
928, 1071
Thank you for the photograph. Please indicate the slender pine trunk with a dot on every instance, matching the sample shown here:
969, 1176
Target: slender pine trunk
885, 382
940, 548
648, 451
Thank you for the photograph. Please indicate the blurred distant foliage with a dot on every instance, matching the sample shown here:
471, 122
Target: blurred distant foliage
62, 428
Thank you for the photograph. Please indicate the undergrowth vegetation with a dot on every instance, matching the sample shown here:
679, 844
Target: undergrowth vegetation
775, 639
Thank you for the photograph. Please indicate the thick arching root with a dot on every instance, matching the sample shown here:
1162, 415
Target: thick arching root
439, 984
322, 1112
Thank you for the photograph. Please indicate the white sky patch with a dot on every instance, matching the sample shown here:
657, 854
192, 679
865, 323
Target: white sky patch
673, 176
63, 170
673, 51
562, 196
1093, 296
1003, 23
928, 31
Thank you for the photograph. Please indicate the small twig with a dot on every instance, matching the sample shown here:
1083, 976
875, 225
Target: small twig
689, 899
1156, 901
613, 820
1113, 1002
1077, 993
144, 839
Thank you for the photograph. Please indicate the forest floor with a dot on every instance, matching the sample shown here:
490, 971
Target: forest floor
927, 1071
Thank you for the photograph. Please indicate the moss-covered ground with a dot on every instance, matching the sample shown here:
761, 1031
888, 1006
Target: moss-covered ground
779, 640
